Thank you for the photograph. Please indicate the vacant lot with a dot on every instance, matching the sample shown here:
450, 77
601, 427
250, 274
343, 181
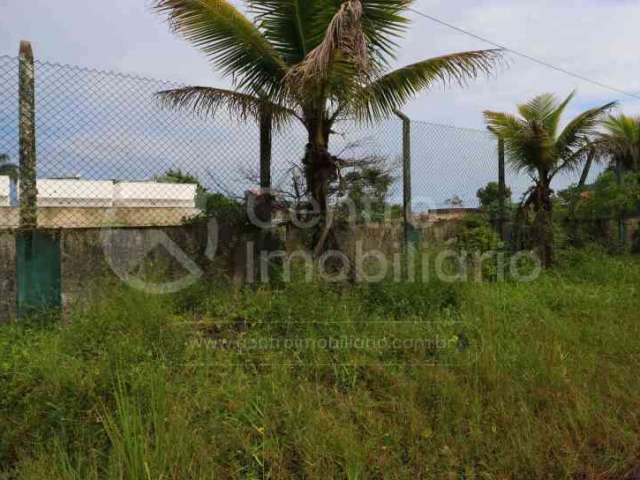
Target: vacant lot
408, 381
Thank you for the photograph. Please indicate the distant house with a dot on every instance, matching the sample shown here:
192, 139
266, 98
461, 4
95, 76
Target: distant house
444, 215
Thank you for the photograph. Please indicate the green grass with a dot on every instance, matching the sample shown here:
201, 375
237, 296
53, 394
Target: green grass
534, 380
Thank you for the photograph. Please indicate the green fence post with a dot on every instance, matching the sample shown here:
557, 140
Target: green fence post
27, 131
38, 271
406, 184
38, 275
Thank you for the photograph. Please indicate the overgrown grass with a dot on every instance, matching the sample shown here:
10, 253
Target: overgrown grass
527, 381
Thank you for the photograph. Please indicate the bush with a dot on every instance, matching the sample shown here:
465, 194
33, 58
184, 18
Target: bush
476, 237
489, 198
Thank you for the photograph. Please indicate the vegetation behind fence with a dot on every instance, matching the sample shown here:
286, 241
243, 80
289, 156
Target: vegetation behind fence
109, 153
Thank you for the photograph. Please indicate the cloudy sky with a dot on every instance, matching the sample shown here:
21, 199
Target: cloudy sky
103, 126
597, 38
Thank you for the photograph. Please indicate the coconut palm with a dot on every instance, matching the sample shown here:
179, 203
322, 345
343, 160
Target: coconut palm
620, 141
8, 169
317, 61
535, 144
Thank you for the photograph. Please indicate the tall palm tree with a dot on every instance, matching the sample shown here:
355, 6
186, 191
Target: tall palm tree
8, 169
535, 144
620, 141
317, 61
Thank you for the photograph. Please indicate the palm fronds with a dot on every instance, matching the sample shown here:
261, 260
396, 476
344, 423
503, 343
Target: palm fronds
291, 26
527, 145
229, 39
620, 140
545, 110
532, 140
391, 91
574, 138
344, 36
206, 101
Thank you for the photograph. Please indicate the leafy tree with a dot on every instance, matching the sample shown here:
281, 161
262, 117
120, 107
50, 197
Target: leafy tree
606, 199
367, 185
476, 236
316, 61
455, 202
536, 145
178, 176
589, 210
489, 197
225, 209
8, 169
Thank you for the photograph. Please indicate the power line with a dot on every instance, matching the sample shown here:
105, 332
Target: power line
524, 55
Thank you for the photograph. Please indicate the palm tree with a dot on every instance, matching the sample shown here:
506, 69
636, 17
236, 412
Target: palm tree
536, 145
8, 169
317, 61
620, 141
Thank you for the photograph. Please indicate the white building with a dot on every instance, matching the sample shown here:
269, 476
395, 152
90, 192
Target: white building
74, 193
105, 194
5, 191
153, 195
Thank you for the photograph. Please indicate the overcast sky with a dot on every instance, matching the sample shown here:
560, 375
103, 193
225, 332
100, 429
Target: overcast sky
596, 38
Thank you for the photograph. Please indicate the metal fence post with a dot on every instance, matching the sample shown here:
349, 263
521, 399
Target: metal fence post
502, 190
266, 126
406, 178
27, 128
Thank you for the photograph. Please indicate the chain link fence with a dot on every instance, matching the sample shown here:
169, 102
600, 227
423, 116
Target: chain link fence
109, 154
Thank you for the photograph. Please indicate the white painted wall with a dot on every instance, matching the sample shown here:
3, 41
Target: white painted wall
74, 193
152, 194
105, 194
5, 191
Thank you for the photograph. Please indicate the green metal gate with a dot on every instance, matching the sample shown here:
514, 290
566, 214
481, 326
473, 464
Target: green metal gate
38, 271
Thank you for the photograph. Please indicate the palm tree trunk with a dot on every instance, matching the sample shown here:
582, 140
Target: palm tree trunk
543, 223
320, 169
320, 165
266, 127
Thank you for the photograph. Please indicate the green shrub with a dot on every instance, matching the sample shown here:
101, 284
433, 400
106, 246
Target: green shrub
476, 237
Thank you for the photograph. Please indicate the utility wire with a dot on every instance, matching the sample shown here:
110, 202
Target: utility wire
524, 55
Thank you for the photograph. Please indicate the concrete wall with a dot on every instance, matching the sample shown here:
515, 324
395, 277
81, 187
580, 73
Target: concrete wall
80, 217
94, 259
